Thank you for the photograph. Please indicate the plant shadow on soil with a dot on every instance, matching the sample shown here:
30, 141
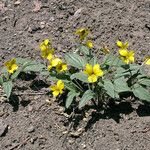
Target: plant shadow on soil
113, 111
35, 85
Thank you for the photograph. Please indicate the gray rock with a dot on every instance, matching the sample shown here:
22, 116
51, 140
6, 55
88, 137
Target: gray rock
3, 128
31, 129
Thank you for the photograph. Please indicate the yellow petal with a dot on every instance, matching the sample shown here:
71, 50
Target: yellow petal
52, 51
89, 44
60, 84
49, 67
88, 69
64, 67
44, 54
125, 60
97, 71
119, 44
13, 61
55, 61
53, 87
43, 47
82, 32
46, 42
60, 91
11, 65
61, 67
131, 56
56, 93
147, 61
123, 52
7, 64
50, 56
14, 67
92, 78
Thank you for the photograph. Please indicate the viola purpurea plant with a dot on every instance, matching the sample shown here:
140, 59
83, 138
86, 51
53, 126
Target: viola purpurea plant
82, 76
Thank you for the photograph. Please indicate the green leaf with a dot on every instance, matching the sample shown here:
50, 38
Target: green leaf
7, 86
110, 89
121, 85
134, 66
23, 61
75, 60
85, 50
61, 76
121, 72
141, 76
80, 76
70, 86
71, 95
15, 74
112, 60
100, 84
88, 95
145, 81
141, 93
38, 67
5, 72
1, 80
44, 73
93, 61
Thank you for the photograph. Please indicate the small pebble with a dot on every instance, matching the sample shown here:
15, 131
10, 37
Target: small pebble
31, 129
71, 141
30, 108
3, 128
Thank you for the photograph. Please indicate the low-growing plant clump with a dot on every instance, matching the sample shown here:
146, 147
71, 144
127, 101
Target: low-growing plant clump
81, 76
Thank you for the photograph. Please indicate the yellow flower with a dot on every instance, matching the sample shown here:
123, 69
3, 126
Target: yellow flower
11, 65
122, 46
58, 88
46, 50
89, 44
147, 60
54, 62
127, 56
93, 72
61, 67
82, 32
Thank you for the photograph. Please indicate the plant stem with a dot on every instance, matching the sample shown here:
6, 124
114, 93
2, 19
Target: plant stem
78, 87
89, 86
78, 84
94, 103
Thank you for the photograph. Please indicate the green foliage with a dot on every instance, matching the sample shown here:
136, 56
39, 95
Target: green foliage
83, 76
112, 60
121, 85
15, 74
1, 81
88, 95
34, 67
144, 81
70, 86
85, 50
141, 93
80, 76
7, 86
75, 60
70, 97
110, 89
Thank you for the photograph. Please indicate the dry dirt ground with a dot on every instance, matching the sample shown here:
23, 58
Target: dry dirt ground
29, 123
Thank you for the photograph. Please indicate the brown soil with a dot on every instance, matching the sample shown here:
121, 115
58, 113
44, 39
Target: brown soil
30, 123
